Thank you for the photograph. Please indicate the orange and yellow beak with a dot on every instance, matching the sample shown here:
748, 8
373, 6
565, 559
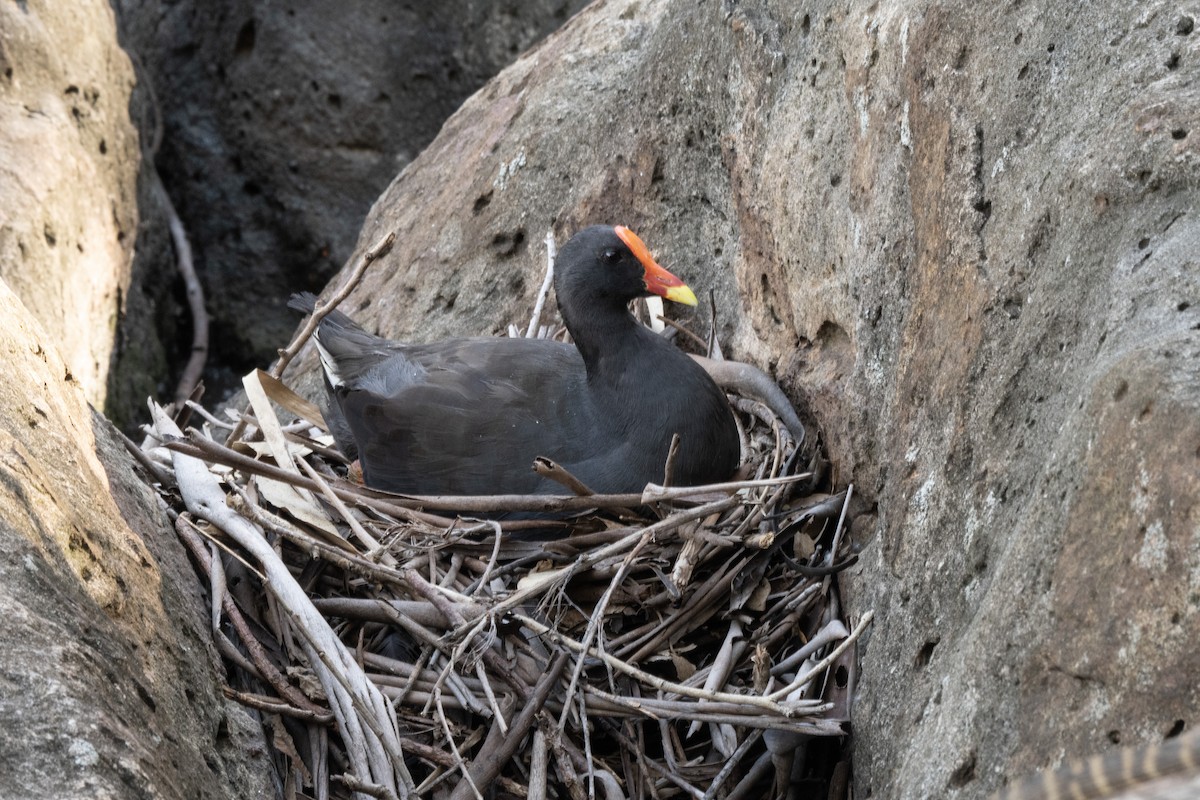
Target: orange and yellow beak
657, 280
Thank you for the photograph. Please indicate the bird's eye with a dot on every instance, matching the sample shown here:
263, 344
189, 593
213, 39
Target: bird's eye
611, 256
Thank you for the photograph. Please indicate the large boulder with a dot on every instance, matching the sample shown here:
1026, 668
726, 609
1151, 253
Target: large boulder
964, 236
109, 685
68, 170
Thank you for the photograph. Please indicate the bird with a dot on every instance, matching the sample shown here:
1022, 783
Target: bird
468, 416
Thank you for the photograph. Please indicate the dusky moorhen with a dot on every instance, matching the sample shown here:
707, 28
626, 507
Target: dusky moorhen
468, 416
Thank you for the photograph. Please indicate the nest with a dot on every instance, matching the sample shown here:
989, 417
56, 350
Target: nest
685, 642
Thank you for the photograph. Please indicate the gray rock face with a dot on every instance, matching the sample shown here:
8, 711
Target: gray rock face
964, 237
281, 125
108, 680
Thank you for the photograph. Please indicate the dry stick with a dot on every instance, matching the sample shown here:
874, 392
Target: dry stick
359, 785
653, 766
684, 330
273, 706
491, 760
830, 633
321, 310
460, 762
564, 757
787, 709
354, 684
406, 506
653, 492
156, 471
756, 773
258, 656
595, 622
227, 649
186, 265
536, 319
824, 663
436, 596
697, 604
586, 560
455, 681
346, 559
184, 260
368, 610
837, 532
701, 710
723, 665
672, 454
714, 347
437, 778
752, 382
216, 422
374, 548
547, 468
204, 449
497, 714
374, 751
538, 762
482, 580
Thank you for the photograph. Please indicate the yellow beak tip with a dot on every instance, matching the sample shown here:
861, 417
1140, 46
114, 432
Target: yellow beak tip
681, 294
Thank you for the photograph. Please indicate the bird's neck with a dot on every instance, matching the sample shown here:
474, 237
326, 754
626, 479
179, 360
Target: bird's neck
604, 335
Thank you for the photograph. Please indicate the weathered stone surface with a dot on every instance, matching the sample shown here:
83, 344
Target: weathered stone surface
281, 124
68, 167
108, 679
964, 236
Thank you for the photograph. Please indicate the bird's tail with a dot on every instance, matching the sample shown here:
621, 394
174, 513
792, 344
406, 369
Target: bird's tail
346, 349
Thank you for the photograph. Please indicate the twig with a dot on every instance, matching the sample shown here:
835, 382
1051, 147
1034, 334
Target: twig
535, 320
184, 261
594, 623
262, 663
272, 706
753, 382
549, 469
672, 454
765, 703
195, 297
490, 761
824, 663
731, 763
408, 505
460, 762
204, 498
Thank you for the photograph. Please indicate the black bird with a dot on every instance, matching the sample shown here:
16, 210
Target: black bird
468, 416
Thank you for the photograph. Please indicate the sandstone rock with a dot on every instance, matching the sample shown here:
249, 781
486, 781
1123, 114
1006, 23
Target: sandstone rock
68, 167
108, 679
964, 237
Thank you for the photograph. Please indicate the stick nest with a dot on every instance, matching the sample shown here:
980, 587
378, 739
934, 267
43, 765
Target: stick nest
682, 643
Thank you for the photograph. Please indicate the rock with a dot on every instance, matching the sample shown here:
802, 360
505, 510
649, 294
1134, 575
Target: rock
109, 683
281, 124
68, 167
964, 237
